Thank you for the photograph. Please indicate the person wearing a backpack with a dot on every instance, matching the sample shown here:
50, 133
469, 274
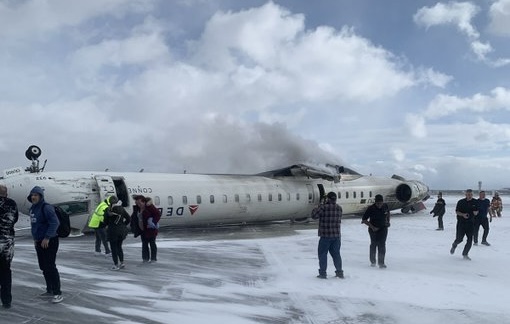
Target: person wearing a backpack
97, 223
8, 217
116, 219
44, 223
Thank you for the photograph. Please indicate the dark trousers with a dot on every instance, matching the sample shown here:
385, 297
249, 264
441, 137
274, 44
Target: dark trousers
484, 221
117, 252
101, 238
378, 243
464, 228
331, 245
146, 242
440, 222
46, 258
5, 281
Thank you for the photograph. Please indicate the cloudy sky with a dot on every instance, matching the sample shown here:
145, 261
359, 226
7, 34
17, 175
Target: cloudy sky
417, 88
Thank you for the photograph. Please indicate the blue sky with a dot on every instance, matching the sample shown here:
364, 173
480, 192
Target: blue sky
415, 88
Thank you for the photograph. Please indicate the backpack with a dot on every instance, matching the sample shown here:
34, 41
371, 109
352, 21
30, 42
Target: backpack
64, 229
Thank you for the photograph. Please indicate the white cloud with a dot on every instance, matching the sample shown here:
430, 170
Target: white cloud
458, 14
137, 49
445, 105
34, 18
499, 15
430, 76
320, 64
416, 125
398, 154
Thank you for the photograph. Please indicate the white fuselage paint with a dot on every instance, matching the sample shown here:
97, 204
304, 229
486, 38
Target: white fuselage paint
200, 200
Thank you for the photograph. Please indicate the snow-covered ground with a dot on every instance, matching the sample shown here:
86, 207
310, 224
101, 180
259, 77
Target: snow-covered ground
266, 274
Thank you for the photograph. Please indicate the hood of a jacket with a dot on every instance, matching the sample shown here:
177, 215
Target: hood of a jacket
37, 190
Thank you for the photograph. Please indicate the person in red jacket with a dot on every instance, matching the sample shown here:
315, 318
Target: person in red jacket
147, 216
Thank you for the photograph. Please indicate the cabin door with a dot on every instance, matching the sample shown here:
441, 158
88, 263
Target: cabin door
106, 186
311, 194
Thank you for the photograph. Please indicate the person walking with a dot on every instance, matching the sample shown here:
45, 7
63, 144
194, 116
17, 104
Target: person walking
466, 210
496, 206
96, 222
481, 219
116, 219
377, 218
330, 216
439, 210
44, 223
8, 217
146, 216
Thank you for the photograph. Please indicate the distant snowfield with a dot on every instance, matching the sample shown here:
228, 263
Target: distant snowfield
269, 277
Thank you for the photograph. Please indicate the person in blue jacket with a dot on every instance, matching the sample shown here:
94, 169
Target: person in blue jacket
44, 223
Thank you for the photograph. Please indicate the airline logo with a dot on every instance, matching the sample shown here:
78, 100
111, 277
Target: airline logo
193, 208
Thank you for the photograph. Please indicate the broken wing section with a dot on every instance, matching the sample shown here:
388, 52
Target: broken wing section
328, 172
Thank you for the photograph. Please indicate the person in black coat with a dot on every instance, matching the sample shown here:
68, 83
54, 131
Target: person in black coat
466, 210
8, 217
439, 210
377, 218
116, 219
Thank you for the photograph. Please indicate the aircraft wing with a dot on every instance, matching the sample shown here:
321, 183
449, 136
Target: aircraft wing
328, 172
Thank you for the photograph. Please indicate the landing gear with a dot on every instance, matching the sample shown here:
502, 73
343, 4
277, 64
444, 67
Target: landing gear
33, 153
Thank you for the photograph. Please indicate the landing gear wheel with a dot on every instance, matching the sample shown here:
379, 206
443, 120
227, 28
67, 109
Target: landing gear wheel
33, 152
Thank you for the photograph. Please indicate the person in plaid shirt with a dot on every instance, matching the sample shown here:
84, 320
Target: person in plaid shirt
329, 215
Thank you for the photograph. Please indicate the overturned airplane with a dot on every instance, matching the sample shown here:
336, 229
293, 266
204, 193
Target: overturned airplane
187, 200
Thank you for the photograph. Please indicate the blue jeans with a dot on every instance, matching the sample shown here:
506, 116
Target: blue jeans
331, 245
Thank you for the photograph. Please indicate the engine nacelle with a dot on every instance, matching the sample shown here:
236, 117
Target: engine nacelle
411, 192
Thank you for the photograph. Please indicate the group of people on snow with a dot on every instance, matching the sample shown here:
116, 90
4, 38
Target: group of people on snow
110, 222
471, 215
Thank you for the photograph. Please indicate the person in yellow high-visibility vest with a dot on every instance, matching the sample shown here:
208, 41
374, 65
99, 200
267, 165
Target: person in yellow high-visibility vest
96, 222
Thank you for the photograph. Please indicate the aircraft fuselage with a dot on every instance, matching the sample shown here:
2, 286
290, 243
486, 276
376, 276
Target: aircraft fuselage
201, 199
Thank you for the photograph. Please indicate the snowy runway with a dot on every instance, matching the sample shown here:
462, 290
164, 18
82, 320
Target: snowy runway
266, 274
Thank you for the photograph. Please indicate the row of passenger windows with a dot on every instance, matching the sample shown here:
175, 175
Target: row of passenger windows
258, 197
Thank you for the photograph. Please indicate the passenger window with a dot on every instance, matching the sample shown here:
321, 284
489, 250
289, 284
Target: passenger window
170, 200
361, 194
288, 196
279, 197
347, 195
339, 195
297, 196
185, 200
157, 201
370, 194
354, 195
236, 198
211, 199
248, 198
224, 198
259, 197
270, 197
199, 199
